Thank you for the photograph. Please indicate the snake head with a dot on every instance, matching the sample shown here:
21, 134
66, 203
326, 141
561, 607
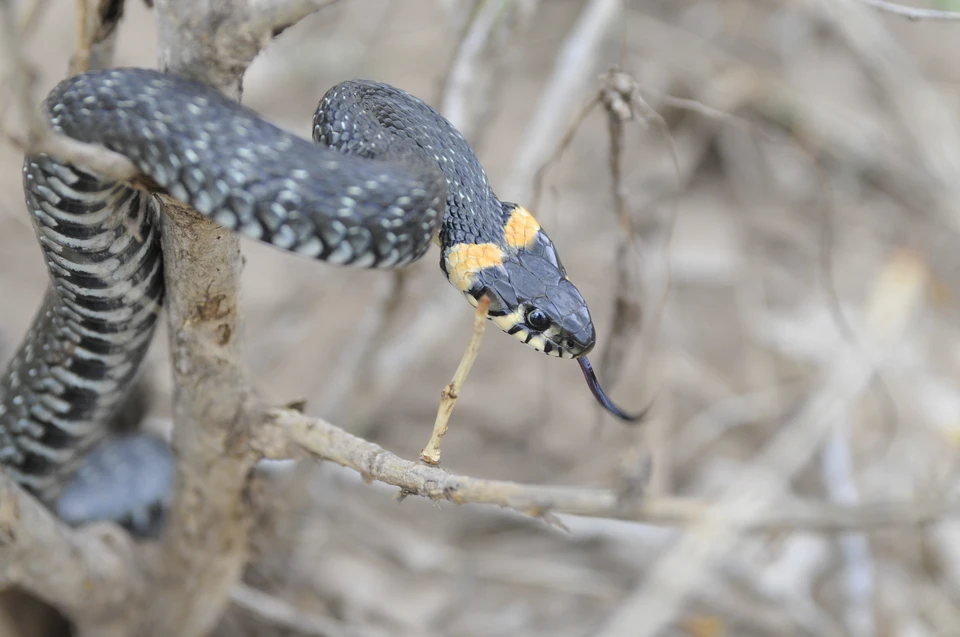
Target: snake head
531, 297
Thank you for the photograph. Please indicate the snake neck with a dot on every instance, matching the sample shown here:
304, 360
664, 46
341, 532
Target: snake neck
378, 121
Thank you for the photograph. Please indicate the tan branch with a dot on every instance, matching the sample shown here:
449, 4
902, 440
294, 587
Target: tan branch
328, 442
451, 392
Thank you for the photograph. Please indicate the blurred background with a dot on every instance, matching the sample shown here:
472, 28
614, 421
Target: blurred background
778, 275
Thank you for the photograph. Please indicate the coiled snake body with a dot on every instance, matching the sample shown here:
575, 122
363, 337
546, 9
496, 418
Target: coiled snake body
386, 174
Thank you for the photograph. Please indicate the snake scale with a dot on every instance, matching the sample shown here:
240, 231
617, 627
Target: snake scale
386, 174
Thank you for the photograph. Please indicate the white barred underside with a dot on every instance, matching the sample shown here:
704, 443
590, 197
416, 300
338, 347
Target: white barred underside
101, 245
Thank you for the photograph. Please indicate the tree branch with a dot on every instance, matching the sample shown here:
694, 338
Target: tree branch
205, 544
325, 441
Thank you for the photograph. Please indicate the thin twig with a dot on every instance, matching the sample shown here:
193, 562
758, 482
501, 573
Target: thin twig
912, 13
565, 141
450, 393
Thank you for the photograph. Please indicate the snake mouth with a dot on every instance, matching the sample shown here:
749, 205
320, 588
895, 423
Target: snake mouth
545, 342
594, 384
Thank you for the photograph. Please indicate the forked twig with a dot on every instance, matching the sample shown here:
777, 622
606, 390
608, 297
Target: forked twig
448, 397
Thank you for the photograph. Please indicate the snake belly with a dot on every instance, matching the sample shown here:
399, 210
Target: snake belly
387, 173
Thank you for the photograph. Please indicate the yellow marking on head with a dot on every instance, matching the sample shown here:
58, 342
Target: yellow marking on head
466, 259
521, 229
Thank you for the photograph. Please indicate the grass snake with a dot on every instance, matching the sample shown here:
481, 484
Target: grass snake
386, 175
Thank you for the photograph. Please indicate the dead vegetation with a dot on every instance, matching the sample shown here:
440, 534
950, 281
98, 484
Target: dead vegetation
778, 274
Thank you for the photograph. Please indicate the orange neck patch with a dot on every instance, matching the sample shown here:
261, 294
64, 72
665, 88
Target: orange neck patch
521, 229
465, 260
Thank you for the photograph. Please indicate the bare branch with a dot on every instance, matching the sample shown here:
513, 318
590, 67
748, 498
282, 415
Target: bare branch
450, 393
328, 442
912, 13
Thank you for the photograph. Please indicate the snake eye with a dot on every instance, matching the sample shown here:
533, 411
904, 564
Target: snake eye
537, 320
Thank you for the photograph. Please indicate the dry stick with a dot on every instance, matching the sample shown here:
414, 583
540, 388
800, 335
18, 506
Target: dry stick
627, 311
329, 442
478, 128
551, 160
448, 397
456, 90
622, 98
935, 135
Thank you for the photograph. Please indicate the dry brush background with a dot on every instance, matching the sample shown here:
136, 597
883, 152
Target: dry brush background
816, 220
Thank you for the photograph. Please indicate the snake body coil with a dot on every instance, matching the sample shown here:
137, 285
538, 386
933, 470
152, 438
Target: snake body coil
387, 173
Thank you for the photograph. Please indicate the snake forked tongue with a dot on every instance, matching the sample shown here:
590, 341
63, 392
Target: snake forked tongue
594, 384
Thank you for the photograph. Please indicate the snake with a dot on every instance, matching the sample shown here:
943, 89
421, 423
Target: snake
384, 178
